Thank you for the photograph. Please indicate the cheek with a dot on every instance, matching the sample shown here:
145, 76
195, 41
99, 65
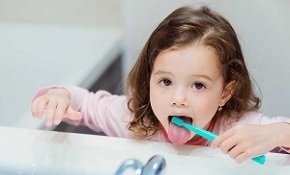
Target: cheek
154, 100
157, 103
212, 103
205, 111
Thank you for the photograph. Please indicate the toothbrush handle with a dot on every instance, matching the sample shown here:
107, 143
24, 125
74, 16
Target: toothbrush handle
260, 159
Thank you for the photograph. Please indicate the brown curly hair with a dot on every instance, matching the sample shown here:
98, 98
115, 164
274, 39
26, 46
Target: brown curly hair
183, 27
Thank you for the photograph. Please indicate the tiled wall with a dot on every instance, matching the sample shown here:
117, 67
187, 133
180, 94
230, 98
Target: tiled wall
62, 12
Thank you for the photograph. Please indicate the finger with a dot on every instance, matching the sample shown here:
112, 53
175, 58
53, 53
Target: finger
60, 112
221, 138
242, 157
50, 111
33, 108
40, 105
235, 151
246, 154
228, 144
72, 114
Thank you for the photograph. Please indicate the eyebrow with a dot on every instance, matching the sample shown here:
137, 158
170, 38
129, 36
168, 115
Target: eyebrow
160, 72
205, 76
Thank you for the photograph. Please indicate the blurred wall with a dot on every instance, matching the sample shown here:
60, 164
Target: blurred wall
263, 29
62, 12
43, 42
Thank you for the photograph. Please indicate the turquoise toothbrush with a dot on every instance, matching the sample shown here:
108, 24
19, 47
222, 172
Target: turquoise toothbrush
208, 135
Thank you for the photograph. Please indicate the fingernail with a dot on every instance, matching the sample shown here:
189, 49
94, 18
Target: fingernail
56, 121
48, 123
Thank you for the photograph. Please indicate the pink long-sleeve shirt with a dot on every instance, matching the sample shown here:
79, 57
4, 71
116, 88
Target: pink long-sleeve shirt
104, 112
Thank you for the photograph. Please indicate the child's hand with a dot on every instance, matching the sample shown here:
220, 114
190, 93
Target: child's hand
244, 142
55, 104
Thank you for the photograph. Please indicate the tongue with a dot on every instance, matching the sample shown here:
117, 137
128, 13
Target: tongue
178, 135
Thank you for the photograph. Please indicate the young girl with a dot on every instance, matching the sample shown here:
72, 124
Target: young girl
192, 67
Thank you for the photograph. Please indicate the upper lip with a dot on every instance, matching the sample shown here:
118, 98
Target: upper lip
180, 115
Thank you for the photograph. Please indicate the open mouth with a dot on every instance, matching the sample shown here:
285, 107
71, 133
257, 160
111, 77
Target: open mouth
184, 118
177, 134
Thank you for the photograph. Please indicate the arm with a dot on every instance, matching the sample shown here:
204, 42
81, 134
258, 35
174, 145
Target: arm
100, 111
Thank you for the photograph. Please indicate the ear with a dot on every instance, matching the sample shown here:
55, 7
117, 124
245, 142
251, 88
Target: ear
227, 92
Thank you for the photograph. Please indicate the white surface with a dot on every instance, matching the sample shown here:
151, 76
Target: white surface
262, 27
26, 151
32, 57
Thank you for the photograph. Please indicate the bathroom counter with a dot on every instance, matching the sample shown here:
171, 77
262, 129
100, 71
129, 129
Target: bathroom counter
29, 151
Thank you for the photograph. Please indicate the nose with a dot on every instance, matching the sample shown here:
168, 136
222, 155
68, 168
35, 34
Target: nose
179, 98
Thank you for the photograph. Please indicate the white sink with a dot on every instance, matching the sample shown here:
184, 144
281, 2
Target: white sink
26, 151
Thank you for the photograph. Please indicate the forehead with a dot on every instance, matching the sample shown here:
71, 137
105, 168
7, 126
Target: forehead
192, 59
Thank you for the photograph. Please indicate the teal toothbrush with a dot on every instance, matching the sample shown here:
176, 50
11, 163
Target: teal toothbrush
208, 135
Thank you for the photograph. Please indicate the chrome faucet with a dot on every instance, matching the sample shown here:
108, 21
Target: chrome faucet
154, 166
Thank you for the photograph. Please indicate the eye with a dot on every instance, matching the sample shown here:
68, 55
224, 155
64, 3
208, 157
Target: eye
198, 86
165, 82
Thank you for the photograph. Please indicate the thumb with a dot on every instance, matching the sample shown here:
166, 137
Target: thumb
72, 114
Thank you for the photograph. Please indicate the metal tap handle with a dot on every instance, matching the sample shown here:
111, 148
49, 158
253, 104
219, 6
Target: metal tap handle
130, 164
154, 166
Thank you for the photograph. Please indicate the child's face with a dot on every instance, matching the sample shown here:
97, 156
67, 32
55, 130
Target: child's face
186, 82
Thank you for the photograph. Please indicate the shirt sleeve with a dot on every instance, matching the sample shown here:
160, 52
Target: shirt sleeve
102, 111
